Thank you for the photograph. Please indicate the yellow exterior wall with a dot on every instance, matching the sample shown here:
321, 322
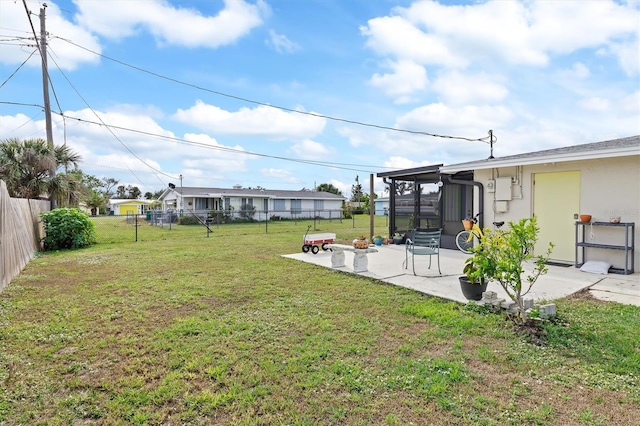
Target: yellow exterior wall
608, 187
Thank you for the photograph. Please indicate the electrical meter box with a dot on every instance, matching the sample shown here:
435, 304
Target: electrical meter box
491, 186
503, 189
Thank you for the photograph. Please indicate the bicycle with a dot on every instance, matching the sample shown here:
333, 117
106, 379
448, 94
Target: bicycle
469, 238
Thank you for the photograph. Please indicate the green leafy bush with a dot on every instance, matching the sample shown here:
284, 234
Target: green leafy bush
67, 228
188, 220
501, 255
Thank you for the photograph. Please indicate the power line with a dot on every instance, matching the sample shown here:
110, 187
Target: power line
485, 139
330, 164
335, 165
109, 128
17, 69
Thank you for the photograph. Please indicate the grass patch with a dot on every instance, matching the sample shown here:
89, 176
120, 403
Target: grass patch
180, 328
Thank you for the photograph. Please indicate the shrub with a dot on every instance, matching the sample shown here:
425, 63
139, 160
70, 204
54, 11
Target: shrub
67, 228
188, 220
500, 257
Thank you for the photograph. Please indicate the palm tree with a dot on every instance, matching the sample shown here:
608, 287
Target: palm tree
95, 201
25, 167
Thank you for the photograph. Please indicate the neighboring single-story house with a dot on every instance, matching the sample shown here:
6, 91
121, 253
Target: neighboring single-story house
556, 186
128, 206
381, 206
265, 202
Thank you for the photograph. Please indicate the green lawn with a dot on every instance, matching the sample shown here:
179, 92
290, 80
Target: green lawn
181, 328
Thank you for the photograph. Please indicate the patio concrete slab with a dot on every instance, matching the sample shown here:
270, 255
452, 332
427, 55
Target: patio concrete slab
388, 265
617, 289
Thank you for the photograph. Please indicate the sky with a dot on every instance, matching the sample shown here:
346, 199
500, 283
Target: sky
287, 94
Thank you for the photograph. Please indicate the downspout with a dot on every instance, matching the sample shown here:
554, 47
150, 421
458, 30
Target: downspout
480, 198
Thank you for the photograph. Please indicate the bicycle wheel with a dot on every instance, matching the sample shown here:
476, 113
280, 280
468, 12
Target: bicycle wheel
466, 240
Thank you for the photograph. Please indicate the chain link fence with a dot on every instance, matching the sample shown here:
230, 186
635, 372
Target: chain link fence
172, 224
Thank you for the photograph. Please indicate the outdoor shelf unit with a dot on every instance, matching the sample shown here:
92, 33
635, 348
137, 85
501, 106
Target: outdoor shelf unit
628, 247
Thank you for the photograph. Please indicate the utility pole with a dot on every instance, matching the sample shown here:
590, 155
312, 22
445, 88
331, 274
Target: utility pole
45, 90
372, 209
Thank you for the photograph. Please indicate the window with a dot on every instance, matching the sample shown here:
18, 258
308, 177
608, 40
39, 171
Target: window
227, 203
278, 205
202, 203
318, 205
296, 206
248, 202
265, 204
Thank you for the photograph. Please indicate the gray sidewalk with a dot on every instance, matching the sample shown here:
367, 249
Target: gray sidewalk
387, 265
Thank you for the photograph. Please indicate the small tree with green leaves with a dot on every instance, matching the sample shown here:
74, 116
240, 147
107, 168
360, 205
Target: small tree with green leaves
502, 253
67, 228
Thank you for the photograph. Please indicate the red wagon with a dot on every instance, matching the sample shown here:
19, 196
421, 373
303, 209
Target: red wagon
312, 241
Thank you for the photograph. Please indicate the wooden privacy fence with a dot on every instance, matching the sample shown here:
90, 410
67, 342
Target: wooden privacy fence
20, 233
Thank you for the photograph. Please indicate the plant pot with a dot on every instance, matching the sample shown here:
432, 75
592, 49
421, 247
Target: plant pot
360, 244
397, 240
377, 241
585, 218
470, 290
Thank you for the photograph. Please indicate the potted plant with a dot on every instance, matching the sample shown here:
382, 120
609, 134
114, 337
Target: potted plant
474, 282
377, 240
398, 238
361, 242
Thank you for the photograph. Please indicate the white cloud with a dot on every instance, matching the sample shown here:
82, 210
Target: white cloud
578, 71
345, 188
399, 162
172, 25
407, 77
627, 54
116, 139
398, 37
631, 103
467, 121
213, 156
280, 174
596, 104
280, 43
494, 32
564, 27
458, 88
356, 137
21, 126
260, 121
14, 22
311, 150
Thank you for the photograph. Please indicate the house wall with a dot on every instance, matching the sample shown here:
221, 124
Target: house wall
170, 201
608, 187
133, 208
331, 208
381, 207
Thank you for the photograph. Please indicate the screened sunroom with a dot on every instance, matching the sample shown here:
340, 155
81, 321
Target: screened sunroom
424, 198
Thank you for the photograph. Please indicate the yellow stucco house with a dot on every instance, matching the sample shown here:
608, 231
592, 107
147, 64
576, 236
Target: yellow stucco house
122, 207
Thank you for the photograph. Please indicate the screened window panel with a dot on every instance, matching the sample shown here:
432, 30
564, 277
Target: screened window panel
296, 206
